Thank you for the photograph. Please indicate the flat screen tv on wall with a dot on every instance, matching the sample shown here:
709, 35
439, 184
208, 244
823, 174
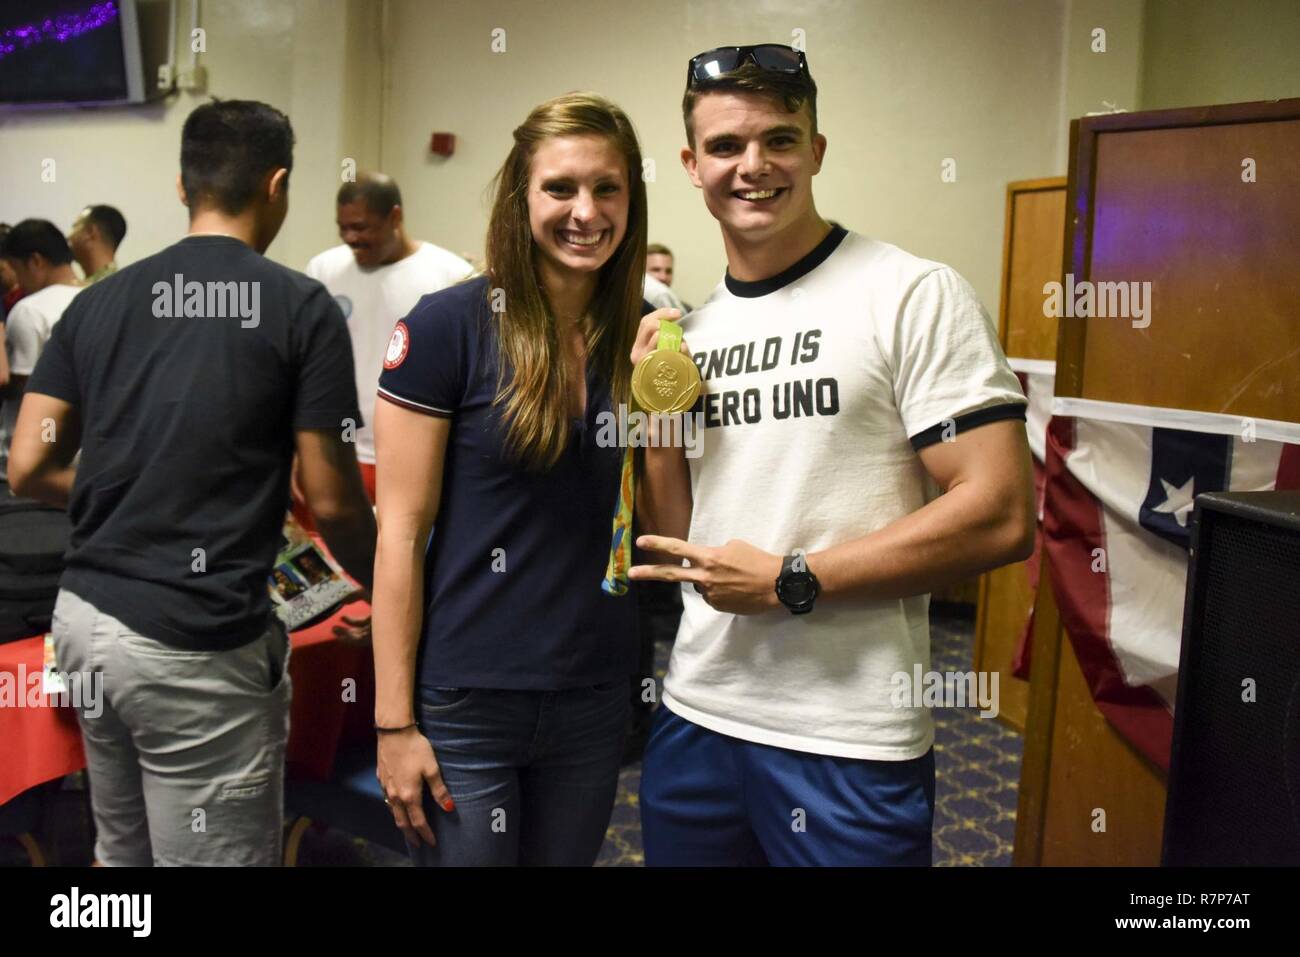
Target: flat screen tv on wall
58, 53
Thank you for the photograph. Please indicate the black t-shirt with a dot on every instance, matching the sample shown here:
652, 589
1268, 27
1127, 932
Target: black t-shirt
189, 397
514, 566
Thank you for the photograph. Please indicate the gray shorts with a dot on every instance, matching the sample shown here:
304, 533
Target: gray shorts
185, 749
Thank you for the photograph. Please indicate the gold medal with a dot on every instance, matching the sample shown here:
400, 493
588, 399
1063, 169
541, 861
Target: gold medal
666, 381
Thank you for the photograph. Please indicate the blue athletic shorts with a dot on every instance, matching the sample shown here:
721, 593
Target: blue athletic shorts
710, 799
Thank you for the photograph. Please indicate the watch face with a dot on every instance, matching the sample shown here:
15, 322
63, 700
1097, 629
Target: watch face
797, 588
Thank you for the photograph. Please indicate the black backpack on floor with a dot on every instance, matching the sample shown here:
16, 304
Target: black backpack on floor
33, 538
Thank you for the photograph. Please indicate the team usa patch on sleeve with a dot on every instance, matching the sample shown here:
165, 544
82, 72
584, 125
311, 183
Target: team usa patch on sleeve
398, 346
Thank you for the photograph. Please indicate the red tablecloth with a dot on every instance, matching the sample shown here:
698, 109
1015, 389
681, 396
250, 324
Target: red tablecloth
333, 695
39, 744
36, 744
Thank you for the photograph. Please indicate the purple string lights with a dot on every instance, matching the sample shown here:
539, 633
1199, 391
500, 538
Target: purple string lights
60, 29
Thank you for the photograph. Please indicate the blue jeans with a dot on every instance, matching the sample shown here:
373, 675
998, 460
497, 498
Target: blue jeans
533, 774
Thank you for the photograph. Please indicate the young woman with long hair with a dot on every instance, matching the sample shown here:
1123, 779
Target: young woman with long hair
501, 667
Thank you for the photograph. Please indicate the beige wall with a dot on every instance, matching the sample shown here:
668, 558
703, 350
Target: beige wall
1100, 62
1206, 51
288, 54
905, 84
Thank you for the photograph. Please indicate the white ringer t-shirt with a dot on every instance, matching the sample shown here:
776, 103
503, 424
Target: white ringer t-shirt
821, 385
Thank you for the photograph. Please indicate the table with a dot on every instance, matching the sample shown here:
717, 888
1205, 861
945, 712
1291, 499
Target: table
43, 743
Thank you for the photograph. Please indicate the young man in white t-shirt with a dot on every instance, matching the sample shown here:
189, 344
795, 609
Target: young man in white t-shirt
661, 296
41, 260
377, 276
659, 276
846, 383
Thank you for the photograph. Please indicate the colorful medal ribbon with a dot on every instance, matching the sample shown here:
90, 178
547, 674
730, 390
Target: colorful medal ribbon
620, 549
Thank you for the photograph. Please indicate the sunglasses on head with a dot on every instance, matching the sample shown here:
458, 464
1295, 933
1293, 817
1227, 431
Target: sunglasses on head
772, 57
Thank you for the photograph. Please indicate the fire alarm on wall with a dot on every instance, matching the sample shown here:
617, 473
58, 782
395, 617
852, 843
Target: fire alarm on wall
443, 144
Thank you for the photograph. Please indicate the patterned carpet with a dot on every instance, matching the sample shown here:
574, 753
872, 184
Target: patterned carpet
977, 762
977, 765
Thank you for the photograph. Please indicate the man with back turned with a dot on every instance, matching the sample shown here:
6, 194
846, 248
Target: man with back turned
188, 380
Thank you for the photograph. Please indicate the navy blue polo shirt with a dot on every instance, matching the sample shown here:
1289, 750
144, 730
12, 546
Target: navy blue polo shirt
514, 566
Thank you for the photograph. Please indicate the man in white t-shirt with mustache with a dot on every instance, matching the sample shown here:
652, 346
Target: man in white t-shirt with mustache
377, 275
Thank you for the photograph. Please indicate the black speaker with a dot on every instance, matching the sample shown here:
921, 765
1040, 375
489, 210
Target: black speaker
1234, 775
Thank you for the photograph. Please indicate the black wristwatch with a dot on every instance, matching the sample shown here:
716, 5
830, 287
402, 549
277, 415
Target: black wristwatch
797, 588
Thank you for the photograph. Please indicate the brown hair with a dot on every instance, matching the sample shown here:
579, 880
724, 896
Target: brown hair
658, 249
791, 90
534, 378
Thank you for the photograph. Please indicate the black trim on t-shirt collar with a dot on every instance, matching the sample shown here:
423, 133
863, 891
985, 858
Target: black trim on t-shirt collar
762, 287
971, 420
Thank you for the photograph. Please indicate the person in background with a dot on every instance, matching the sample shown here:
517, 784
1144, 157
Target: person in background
377, 276
10, 293
187, 380
659, 263
96, 234
501, 666
657, 291
38, 256
10, 289
659, 279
